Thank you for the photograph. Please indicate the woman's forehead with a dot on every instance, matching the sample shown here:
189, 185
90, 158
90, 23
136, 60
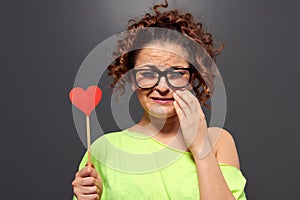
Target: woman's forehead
161, 56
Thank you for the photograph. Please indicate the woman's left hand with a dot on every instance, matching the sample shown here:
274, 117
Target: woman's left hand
192, 119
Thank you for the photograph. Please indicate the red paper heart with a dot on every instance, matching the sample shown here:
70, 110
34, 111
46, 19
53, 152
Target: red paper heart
86, 100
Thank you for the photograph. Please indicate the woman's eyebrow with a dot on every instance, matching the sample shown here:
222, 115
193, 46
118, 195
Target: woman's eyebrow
178, 66
156, 68
148, 66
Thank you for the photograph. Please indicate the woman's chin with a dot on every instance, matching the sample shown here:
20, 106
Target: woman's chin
161, 112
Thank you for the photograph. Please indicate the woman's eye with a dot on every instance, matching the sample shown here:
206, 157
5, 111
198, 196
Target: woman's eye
176, 74
148, 74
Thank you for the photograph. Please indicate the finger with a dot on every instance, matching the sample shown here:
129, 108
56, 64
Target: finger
87, 171
100, 183
178, 110
90, 181
188, 98
87, 181
191, 101
84, 172
183, 106
93, 172
89, 196
91, 164
99, 180
90, 190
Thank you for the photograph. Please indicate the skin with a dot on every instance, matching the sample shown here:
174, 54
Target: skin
183, 116
162, 120
87, 184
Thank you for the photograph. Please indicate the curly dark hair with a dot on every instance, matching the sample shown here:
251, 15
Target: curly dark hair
172, 21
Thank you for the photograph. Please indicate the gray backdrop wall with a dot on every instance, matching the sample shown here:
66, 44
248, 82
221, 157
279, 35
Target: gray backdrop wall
43, 44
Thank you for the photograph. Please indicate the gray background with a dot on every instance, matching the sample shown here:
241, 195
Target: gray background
44, 42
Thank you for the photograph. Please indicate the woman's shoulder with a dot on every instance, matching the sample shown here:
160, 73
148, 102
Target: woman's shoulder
221, 135
110, 136
225, 147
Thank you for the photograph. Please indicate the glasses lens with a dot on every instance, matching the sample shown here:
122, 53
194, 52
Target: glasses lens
146, 78
179, 78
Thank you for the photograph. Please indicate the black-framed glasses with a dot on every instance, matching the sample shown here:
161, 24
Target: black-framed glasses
176, 77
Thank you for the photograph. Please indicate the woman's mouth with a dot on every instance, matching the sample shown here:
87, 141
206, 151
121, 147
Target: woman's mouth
162, 100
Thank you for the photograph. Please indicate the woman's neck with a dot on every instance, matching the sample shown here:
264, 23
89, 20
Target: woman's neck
164, 127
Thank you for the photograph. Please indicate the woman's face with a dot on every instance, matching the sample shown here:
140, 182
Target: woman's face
158, 101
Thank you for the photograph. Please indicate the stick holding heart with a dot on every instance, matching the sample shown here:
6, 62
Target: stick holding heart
86, 101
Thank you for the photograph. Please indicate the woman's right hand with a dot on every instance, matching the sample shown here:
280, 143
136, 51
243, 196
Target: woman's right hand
87, 184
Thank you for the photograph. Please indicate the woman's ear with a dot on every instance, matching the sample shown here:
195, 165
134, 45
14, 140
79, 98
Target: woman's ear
189, 87
193, 77
133, 85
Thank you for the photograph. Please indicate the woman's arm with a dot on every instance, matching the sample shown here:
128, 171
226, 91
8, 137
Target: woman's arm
211, 181
212, 185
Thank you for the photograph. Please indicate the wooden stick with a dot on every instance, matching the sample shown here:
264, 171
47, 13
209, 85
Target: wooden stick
88, 136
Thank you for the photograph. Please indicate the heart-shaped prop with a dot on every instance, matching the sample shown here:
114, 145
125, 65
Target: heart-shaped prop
86, 100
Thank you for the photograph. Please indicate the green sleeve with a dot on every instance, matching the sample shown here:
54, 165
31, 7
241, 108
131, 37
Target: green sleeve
235, 181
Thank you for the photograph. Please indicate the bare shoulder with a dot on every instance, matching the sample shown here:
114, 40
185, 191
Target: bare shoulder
225, 148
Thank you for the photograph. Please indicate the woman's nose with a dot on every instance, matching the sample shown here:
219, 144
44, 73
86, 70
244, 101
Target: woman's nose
162, 85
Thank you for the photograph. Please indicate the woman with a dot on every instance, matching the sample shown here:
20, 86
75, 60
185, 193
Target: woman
164, 70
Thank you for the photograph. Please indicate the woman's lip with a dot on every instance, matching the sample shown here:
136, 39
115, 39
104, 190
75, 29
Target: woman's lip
162, 100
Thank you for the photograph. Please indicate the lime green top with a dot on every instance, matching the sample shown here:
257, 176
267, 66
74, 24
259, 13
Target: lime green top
134, 166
